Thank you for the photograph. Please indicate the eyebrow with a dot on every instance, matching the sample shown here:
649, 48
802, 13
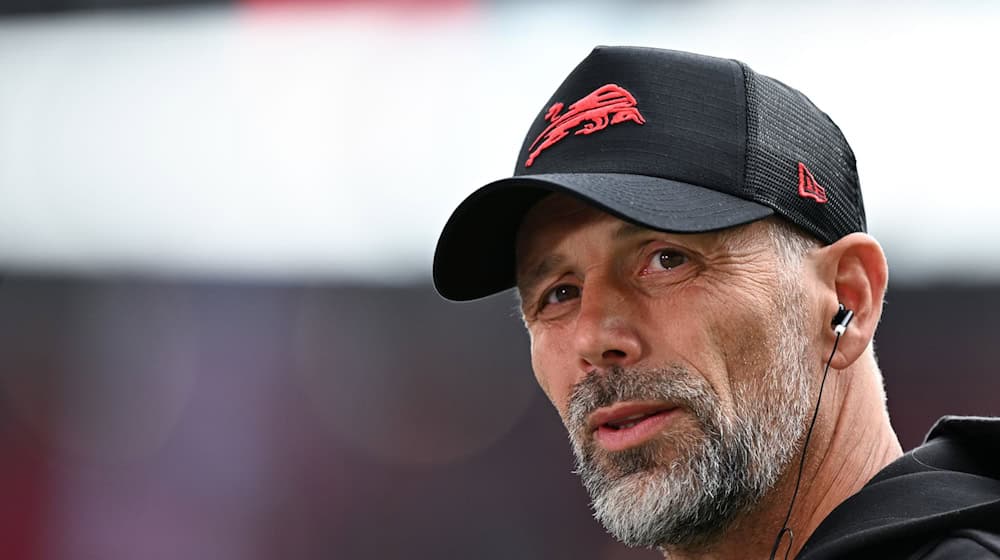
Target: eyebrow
628, 230
625, 231
531, 278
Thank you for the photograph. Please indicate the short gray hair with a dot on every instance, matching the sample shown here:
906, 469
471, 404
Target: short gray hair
790, 242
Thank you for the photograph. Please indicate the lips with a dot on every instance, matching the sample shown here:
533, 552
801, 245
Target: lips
626, 425
627, 422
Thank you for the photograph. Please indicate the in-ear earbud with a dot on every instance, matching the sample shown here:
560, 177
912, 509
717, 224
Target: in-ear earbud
841, 319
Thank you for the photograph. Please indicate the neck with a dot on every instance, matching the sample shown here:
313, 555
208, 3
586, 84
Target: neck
851, 442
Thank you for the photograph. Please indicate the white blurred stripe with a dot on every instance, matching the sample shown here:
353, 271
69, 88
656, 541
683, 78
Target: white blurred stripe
335, 144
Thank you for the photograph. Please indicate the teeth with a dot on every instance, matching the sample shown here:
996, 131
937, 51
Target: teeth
627, 422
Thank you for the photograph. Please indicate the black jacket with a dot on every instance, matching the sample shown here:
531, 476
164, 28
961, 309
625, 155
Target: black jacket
940, 500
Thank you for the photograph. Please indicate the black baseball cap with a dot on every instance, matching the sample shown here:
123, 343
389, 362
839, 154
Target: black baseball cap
669, 140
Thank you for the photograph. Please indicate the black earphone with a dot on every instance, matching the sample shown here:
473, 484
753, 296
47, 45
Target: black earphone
841, 319
839, 323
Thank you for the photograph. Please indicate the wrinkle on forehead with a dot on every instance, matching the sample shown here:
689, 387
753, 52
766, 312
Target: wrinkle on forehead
559, 208
552, 211
529, 274
555, 208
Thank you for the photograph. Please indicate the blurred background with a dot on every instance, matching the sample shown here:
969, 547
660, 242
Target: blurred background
218, 336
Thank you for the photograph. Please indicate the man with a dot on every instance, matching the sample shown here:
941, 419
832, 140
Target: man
687, 238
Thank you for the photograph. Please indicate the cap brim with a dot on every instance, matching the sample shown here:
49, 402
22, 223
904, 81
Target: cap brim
475, 254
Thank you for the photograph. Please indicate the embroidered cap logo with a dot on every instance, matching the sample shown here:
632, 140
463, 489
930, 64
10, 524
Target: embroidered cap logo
808, 187
608, 104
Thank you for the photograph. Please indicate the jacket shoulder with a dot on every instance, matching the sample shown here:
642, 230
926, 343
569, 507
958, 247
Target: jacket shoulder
940, 500
968, 544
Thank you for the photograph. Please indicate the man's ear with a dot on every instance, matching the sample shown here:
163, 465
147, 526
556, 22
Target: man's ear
854, 273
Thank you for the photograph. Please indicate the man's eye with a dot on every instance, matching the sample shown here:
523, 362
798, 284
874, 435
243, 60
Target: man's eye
561, 293
667, 259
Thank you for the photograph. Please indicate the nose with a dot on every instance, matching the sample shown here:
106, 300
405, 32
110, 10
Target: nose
607, 333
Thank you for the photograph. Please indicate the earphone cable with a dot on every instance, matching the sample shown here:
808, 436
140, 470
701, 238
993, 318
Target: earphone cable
802, 460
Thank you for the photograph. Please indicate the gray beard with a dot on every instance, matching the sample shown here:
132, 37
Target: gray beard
717, 473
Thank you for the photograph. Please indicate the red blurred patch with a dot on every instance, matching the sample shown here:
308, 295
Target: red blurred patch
24, 485
403, 5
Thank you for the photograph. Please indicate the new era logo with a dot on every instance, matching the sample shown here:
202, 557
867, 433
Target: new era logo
808, 187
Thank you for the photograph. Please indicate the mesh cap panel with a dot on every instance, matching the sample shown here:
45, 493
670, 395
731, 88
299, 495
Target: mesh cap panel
784, 129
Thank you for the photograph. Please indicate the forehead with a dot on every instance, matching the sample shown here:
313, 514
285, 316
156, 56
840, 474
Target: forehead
559, 213
557, 210
553, 217
551, 221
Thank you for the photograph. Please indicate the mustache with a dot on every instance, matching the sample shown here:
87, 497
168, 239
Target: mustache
674, 384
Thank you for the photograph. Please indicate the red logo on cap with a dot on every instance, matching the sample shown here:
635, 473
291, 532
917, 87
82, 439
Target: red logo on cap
608, 104
808, 187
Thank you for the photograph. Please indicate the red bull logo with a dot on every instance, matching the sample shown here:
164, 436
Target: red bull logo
607, 105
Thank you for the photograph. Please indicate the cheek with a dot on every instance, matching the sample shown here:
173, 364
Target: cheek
723, 341
553, 370
748, 346
540, 375
685, 330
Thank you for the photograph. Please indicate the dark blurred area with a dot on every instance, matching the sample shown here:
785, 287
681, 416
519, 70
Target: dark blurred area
158, 419
35, 7
28, 7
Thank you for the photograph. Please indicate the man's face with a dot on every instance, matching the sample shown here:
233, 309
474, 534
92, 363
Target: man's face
680, 365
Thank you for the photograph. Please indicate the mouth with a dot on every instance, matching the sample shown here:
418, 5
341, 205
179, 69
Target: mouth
625, 425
